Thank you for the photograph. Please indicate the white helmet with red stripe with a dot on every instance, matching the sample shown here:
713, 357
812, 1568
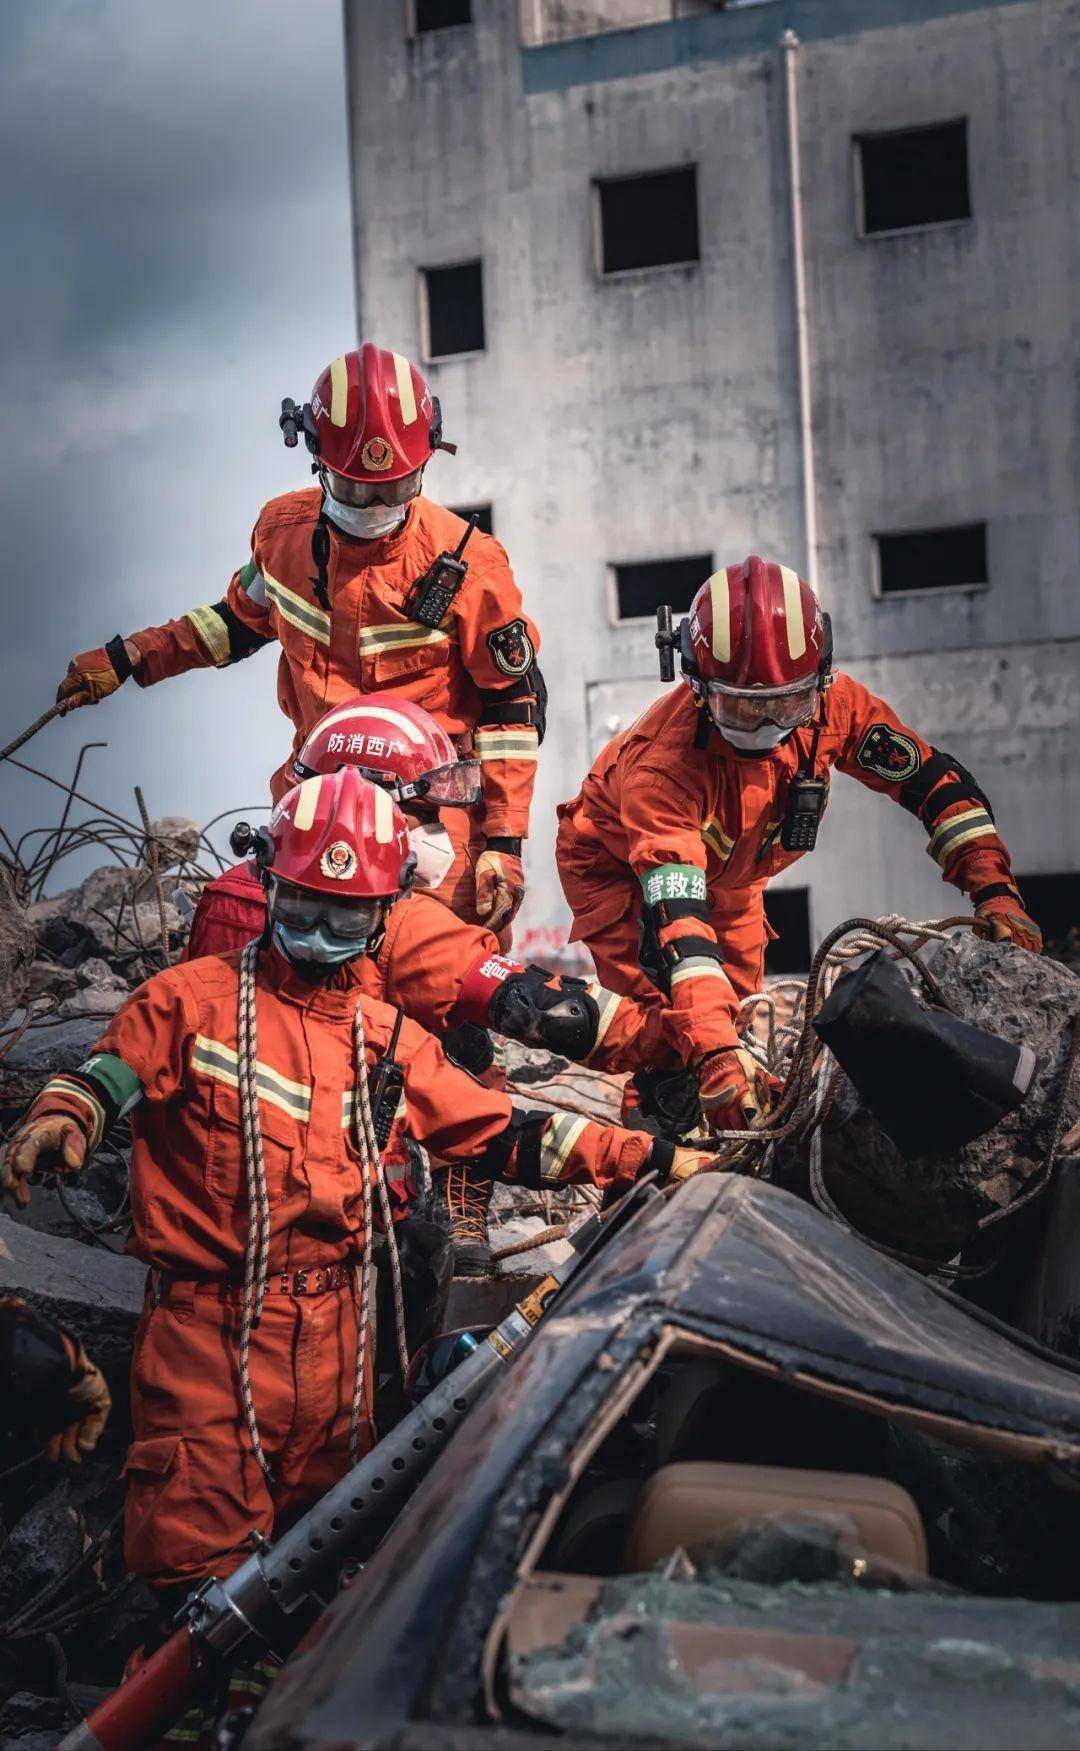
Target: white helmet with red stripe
395, 744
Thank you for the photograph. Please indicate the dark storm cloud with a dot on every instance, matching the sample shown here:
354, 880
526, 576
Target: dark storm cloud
176, 258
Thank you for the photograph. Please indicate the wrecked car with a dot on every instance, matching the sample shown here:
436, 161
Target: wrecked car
748, 1482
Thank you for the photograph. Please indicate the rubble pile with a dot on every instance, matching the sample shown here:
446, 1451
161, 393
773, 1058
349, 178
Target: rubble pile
930, 1204
68, 1616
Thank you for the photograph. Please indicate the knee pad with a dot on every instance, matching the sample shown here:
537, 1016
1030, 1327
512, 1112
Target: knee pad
560, 1017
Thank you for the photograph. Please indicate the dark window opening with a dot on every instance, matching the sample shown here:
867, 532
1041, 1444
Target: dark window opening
788, 911
648, 221
455, 309
482, 513
916, 176
1054, 903
643, 587
439, 14
932, 559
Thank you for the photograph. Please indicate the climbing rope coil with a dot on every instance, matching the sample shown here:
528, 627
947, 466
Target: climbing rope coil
257, 1249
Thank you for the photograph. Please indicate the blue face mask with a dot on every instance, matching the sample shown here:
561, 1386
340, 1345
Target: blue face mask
317, 947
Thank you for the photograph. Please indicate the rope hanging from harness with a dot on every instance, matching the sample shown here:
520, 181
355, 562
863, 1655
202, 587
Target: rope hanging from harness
368, 1146
257, 1250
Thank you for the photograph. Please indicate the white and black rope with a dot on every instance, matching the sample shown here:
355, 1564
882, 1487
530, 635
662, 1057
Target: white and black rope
256, 1251
371, 1167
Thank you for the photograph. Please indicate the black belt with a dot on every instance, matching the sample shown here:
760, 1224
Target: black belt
305, 1281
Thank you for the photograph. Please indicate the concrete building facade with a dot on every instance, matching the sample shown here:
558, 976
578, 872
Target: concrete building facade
815, 382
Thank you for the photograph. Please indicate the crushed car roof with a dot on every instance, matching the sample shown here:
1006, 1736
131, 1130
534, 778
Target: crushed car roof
733, 1263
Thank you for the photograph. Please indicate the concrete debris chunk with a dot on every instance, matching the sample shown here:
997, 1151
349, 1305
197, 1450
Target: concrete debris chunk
177, 840
732, 1662
16, 946
932, 1203
93, 1293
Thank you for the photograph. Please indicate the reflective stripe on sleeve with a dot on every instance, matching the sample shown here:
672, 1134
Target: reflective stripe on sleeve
304, 615
212, 632
607, 1003
94, 1110
698, 967
506, 744
559, 1138
959, 830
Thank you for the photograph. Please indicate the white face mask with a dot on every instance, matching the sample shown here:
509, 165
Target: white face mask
433, 849
757, 741
369, 524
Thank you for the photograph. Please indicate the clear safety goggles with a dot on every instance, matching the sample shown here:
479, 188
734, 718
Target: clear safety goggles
353, 920
747, 708
456, 786
361, 494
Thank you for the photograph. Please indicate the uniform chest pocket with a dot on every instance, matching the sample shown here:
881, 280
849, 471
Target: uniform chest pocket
226, 1174
402, 652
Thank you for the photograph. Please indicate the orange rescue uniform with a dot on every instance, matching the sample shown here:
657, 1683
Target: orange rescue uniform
470, 672
655, 799
195, 1489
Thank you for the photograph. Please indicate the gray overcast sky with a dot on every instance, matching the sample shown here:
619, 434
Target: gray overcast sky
176, 258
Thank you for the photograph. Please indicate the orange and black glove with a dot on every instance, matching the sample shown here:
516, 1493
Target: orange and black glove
736, 1091
93, 675
689, 1162
53, 1141
1001, 918
500, 883
89, 1402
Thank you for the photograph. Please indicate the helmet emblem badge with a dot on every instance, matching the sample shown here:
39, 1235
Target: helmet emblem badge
377, 455
338, 861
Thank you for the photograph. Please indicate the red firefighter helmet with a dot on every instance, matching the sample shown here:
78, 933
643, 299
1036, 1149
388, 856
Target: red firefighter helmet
372, 418
339, 835
756, 646
395, 744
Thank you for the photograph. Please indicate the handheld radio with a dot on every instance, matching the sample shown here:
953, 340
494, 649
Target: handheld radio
432, 594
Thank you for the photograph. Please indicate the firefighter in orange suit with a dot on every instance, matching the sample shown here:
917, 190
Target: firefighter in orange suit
665, 852
341, 575
446, 974
256, 1109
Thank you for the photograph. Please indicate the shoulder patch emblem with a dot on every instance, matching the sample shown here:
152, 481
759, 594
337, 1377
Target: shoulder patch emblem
889, 754
511, 648
338, 861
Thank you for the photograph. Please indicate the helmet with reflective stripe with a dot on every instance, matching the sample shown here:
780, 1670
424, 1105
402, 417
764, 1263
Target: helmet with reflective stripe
372, 417
394, 743
754, 625
339, 835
